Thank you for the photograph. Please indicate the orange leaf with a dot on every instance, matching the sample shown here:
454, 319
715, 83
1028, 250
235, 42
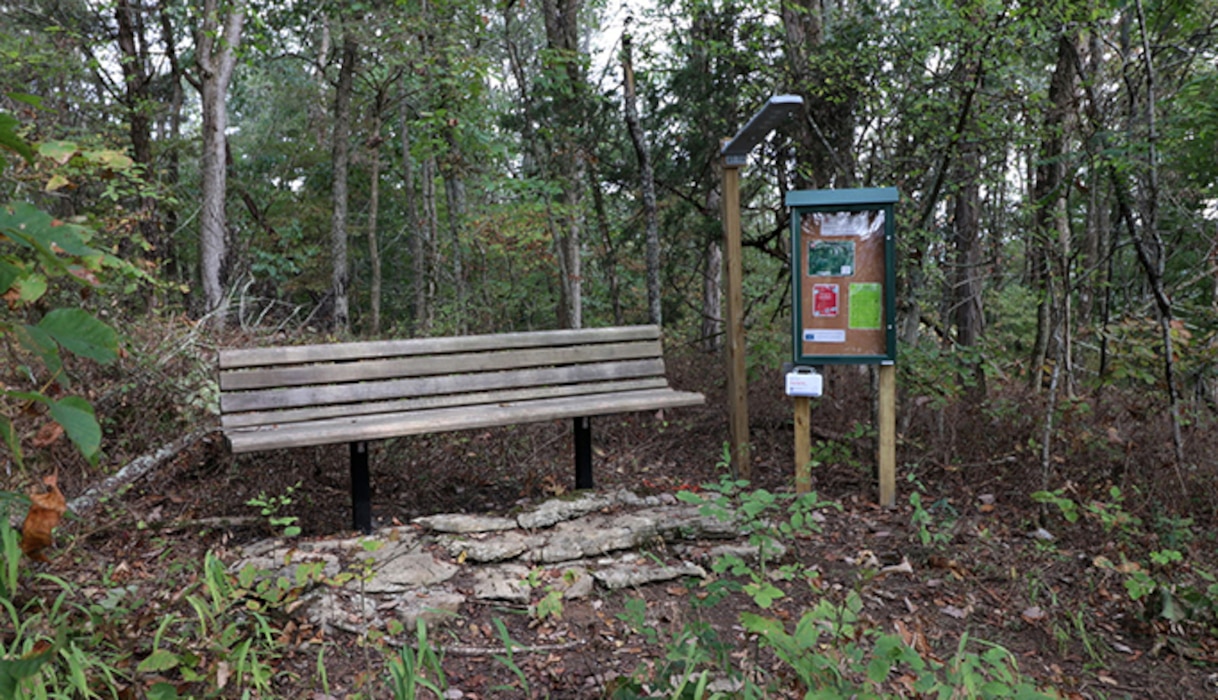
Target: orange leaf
48, 435
45, 511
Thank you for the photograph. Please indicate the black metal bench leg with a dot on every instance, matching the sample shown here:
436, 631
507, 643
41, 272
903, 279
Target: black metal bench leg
361, 488
583, 453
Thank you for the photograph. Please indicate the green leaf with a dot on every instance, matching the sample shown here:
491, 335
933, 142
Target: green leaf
9, 140
8, 275
764, 593
57, 182
163, 691
78, 331
115, 160
44, 346
31, 227
78, 420
9, 435
59, 151
1172, 610
159, 660
30, 287
25, 98
12, 671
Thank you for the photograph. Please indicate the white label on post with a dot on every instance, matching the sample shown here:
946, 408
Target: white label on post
805, 383
824, 336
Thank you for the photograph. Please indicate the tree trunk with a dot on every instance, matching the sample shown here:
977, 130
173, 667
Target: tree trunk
168, 254
137, 99
646, 183
374, 205
454, 192
1153, 253
566, 72
967, 288
414, 229
712, 276
340, 277
608, 256
1048, 198
425, 267
216, 56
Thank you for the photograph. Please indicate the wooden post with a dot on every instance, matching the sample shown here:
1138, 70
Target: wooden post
803, 444
737, 381
887, 418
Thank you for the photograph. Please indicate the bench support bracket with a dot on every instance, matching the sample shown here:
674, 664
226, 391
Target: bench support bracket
361, 488
583, 453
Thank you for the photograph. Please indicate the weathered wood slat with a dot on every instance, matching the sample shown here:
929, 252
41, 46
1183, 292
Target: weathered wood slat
289, 355
428, 386
430, 365
446, 419
472, 400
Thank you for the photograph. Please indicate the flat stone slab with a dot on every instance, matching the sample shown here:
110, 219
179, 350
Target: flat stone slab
407, 571
633, 571
495, 547
574, 582
569, 546
507, 582
464, 524
338, 609
557, 510
433, 607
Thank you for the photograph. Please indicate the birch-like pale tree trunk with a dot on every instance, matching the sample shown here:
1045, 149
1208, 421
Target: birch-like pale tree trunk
374, 206
340, 277
215, 56
647, 185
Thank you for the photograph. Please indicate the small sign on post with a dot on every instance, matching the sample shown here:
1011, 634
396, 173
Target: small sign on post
843, 286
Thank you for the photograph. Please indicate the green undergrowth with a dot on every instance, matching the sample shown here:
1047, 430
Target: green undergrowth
832, 650
214, 632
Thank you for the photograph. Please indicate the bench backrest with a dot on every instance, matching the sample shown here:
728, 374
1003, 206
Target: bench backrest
274, 386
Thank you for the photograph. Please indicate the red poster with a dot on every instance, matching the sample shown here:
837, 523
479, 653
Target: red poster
824, 300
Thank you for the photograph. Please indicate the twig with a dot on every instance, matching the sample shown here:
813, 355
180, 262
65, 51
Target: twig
490, 651
135, 469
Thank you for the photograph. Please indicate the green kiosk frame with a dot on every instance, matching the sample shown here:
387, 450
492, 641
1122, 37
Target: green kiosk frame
843, 293
843, 275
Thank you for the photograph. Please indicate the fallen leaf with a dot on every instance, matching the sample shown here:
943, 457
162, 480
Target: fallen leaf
45, 510
48, 434
1033, 614
903, 568
953, 611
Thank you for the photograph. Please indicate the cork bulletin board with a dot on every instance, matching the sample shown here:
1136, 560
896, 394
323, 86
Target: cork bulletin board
843, 262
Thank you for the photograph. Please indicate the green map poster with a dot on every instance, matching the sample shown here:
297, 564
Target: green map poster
865, 306
831, 259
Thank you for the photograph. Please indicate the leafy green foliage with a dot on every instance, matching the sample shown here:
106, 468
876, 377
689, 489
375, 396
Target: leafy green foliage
270, 507
36, 251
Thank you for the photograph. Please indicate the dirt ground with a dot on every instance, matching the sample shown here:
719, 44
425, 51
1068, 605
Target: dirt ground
975, 564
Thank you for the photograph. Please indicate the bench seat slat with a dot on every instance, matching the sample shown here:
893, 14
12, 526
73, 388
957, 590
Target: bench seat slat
297, 415
430, 386
298, 354
359, 428
428, 365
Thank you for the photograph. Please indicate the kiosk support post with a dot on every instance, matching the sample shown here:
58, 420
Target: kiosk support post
887, 418
803, 444
737, 379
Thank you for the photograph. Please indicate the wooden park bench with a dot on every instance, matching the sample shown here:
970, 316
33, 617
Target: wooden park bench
296, 396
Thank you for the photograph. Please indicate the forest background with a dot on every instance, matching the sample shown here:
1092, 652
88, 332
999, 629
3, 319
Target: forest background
223, 170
